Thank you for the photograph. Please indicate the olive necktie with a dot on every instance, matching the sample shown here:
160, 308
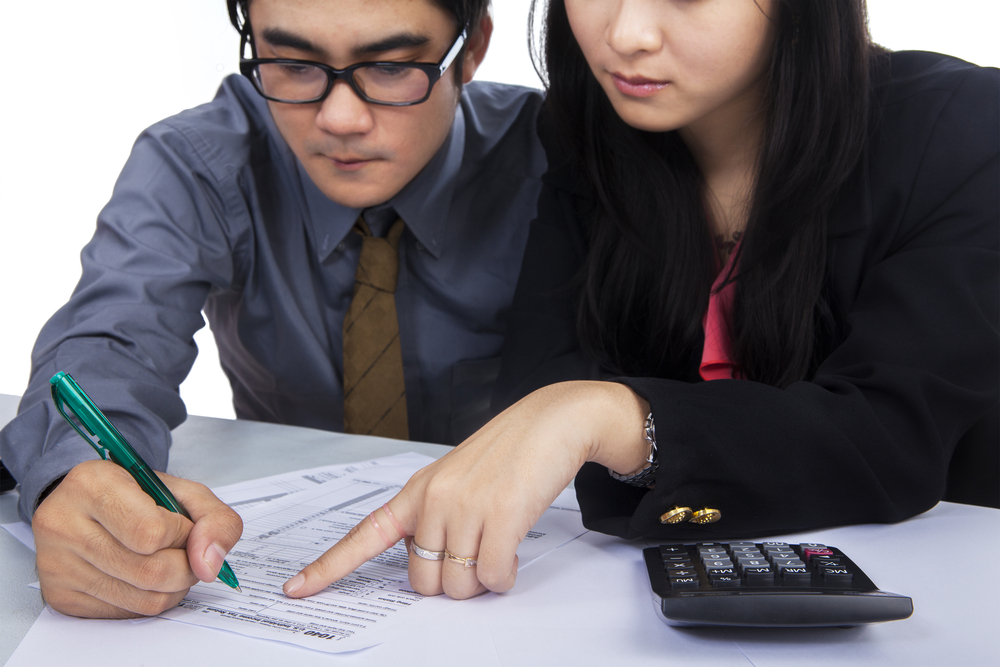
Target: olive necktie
374, 393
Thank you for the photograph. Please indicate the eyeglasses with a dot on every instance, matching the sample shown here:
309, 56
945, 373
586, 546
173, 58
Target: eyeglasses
304, 81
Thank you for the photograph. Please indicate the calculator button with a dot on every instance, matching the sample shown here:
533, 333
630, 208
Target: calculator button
813, 545
675, 558
687, 565
672, 550
712, 550
796, 574
745, 550
836, 574
723, 572
781, 554
739, 545
808, 553
685, 582
726, 580
751, 562
716, 564
754, 574
682, 574
824, 562
787, 562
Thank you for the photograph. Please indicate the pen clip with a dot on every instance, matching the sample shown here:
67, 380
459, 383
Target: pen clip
93, 438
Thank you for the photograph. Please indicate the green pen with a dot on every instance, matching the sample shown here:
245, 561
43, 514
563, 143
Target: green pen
111, 445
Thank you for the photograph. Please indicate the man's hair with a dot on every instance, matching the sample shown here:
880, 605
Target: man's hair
467, 13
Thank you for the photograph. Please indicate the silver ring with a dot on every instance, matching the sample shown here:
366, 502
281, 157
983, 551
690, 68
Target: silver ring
467, 562
426, 554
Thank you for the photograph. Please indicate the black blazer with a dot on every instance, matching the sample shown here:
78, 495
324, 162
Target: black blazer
911, 384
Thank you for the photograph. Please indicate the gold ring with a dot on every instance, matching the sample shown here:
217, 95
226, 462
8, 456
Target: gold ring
676, 515
426, 554
467, 562
706, 516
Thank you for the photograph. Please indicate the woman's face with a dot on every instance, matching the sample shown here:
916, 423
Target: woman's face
673, 64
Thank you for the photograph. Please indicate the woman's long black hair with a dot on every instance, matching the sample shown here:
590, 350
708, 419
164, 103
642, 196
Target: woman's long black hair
652, 258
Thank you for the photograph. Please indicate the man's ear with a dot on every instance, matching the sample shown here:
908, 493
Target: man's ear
475, 48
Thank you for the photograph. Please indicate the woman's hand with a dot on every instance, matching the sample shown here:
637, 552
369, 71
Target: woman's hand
479, 501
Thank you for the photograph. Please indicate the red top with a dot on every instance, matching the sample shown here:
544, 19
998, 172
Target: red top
717, 355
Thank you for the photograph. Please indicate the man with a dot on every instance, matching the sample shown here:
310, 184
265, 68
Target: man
371, 178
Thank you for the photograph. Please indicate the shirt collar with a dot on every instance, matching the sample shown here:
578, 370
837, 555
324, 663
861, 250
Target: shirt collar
424, 203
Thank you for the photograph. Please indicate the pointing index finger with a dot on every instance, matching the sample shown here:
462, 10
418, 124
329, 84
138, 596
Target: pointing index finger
376, 533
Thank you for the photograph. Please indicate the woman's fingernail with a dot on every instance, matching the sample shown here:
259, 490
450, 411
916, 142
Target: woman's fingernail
214, 556
294, 584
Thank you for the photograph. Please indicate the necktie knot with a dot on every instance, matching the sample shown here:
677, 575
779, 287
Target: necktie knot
378, 265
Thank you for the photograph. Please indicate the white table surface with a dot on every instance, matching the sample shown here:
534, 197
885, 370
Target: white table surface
587, 603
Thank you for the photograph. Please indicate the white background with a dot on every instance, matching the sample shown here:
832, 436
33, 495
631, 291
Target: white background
82, 79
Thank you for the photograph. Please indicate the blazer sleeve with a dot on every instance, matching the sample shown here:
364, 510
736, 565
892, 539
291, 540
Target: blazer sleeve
869, 437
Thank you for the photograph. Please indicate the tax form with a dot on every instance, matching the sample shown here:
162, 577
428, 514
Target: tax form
287, 525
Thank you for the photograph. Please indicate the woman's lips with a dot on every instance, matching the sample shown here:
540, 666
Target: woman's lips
637, 86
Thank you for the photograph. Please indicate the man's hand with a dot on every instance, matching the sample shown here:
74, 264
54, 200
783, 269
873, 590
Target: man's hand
106, 550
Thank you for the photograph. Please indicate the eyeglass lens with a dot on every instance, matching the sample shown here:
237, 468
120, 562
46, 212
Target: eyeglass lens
380, 83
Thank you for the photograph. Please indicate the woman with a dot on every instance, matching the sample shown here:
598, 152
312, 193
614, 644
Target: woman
746, 192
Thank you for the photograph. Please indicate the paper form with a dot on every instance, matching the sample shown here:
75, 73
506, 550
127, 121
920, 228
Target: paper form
283, 534
245, 495
22, 532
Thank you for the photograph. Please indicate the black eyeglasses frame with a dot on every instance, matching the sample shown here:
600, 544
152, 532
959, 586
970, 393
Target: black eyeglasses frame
433, 71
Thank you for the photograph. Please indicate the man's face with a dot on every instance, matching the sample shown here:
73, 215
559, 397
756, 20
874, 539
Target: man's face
361, 154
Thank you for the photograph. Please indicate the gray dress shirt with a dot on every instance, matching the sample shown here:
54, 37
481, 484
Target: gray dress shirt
213, 212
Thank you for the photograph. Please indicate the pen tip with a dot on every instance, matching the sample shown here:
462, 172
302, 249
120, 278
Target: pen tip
239, 590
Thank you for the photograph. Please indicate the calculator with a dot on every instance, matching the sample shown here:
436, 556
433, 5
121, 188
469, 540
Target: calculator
766, 584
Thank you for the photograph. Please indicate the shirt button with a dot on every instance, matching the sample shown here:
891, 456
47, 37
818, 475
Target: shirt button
341, 246
421, 247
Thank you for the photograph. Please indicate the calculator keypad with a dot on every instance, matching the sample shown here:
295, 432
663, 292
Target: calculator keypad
738, 564
766, 584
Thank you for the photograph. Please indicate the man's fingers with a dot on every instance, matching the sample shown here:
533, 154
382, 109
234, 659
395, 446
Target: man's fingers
74, 603
164, 571
133, 603
131, 516
217, 528
78, 588
105, 549
365, 541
